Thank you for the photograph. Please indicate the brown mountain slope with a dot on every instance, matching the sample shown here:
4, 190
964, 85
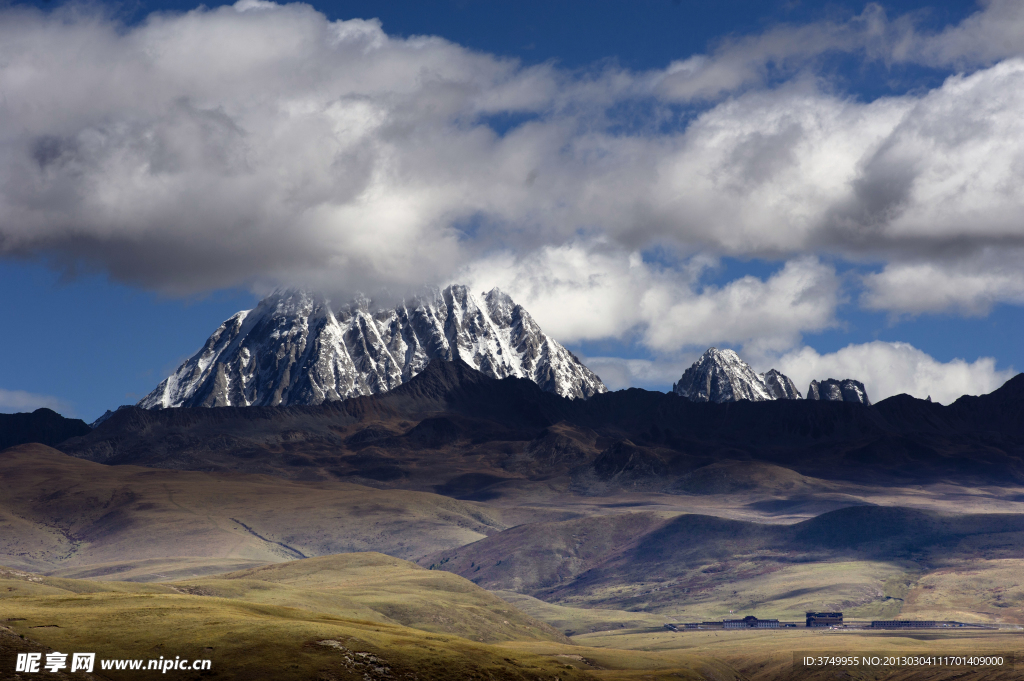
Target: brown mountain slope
62, 513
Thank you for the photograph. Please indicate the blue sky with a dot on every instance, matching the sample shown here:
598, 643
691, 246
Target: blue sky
825, 187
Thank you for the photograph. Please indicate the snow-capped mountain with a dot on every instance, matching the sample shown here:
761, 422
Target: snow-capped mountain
831, 390
721, 376
295, 349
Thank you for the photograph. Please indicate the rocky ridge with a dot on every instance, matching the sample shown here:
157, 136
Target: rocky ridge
831, 390
721, 376
294, 349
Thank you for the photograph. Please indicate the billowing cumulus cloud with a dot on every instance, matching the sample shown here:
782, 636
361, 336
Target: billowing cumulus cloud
579, 292
888, 369
262, 144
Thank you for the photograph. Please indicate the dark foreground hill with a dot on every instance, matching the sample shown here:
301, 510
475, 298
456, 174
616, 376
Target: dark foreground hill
454, 430
44, 426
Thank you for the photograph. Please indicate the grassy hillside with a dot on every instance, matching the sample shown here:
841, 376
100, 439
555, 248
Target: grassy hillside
255, 640
379, 588
357, 616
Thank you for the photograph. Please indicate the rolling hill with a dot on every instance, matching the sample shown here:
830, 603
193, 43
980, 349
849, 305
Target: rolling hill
707, 566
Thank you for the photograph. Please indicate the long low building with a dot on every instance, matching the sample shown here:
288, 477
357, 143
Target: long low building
824, 619
913, 624
703, 625
821, 619
748, 622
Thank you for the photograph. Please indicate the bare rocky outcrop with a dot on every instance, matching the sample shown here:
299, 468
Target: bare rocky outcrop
832, 390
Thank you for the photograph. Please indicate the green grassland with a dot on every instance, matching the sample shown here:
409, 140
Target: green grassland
318, 618
371, 616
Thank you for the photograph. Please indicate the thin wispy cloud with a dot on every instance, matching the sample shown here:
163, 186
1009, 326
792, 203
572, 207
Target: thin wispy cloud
23, 401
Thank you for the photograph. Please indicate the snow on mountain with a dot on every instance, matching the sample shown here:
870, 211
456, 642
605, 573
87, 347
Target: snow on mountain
721, 376
294, 349
831, 390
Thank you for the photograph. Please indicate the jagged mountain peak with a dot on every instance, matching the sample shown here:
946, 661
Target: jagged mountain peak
294, 349
721, 376
500, 305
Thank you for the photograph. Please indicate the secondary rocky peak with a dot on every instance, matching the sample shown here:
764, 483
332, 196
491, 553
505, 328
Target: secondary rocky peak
721, 376
293, 348
781, 386
832, 390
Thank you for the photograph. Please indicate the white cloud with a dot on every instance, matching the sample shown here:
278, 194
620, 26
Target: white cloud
888, 369
21, 401
761, 315
993, 33
779, 51
971, 286
584, 291
263, 144
653, 374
